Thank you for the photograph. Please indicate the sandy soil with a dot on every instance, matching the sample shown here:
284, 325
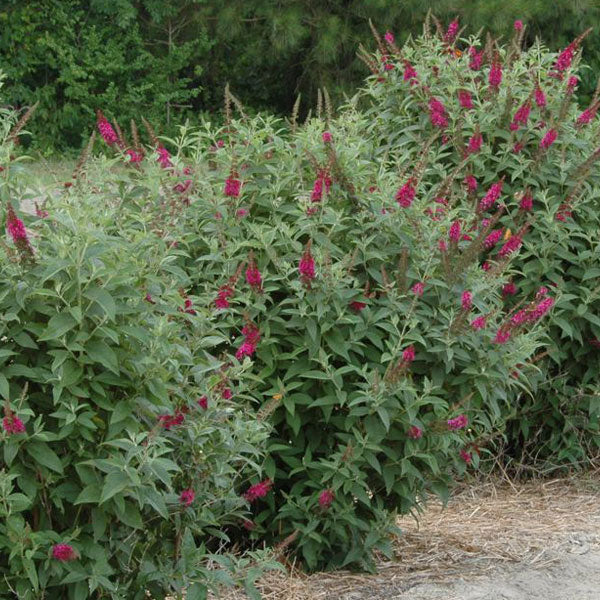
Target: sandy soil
573, 576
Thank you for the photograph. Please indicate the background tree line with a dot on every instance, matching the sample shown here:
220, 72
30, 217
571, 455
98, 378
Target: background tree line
170, 59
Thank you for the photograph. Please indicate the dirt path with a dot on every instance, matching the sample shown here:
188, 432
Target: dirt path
537, 541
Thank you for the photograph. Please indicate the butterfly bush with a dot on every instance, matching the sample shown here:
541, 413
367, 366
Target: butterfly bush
538, 167
362, 325
394, 261
112, 472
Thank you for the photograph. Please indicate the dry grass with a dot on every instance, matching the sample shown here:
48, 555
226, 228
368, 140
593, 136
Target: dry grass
482, 526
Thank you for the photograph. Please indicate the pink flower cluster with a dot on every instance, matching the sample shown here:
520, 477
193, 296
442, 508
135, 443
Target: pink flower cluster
410, 74
415, 433
467, 301
63, 552
164, 157
188, 307
466, 456
521, 116
475, 142
307, 266
526, 203
492, 195
509, 289
510, 246
451, 32
534, 312
408, 355
105, 128
454, 232
168, 421
471, 183
548, 139
225, 292
540, 97
253, 276
182, 186
12, 425
565, 58
478, 323
406, 194
357, 306
187, 497
16, 228
458, 422
495, 75
476, 58
232, 187
464, 99
418, 288
326, 498
258, 490
251, 335
437, 113
134, 157
322, 182
492, 239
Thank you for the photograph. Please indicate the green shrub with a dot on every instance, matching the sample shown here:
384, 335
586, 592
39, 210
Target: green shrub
362, 429
559, 423
120, 454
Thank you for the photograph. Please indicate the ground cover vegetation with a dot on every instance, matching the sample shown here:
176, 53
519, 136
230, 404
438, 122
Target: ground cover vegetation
284, 333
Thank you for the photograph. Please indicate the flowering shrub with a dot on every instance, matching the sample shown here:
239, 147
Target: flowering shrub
513, 131
366, 329
120, 457
376, 285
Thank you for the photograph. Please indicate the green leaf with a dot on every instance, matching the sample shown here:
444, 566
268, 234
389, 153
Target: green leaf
11, 448
315, 375
57, 326
99, 522
102, 353
31, 573
44, 455
591, 273
101, 297
196, 591
18, 502
4, 387
114, 483
89, 494
25, 340
123, 409
131, 516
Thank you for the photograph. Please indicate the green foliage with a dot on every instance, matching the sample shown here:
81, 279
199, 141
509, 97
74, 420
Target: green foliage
89, 366
171, 59
360, 373
75, 58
